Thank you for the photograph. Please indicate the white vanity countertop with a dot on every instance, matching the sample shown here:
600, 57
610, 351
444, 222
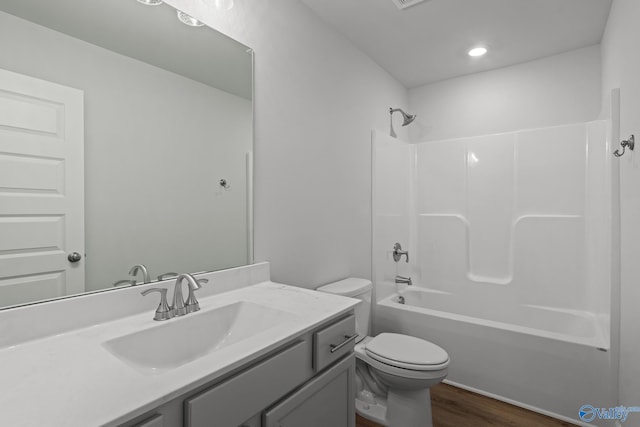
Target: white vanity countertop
71, 379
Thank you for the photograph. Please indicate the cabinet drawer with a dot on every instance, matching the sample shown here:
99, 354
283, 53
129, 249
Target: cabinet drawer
229, 403
326, 400
333, 342
155, 421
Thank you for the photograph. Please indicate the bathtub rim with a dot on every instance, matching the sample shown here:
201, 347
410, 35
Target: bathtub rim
598, 342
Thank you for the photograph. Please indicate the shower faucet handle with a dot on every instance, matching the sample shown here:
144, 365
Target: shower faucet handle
398, 252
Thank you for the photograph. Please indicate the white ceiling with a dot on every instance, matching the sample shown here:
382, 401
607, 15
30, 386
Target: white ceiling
429, 42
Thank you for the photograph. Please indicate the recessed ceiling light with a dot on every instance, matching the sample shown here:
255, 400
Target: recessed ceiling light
151, 2
477, 51
189, 20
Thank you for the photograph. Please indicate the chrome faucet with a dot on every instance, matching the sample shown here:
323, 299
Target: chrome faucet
398, 252
145, 273
402, 279
180, 308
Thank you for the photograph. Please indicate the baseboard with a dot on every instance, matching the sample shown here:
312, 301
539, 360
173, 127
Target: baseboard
519, 404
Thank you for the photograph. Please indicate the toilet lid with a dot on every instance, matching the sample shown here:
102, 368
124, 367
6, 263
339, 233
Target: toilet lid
406, 352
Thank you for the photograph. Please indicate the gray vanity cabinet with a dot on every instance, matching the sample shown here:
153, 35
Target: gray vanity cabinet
255, 421
307, 382
326, 400
154, 421
250, 391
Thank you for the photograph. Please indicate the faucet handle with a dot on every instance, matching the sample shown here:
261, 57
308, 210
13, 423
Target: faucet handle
192, 303
125, 282
166, 276
163, 312
398, 252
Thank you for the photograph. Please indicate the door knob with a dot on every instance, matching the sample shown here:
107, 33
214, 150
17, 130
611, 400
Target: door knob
74, 257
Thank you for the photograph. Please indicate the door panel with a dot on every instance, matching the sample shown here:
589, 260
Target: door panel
41, 189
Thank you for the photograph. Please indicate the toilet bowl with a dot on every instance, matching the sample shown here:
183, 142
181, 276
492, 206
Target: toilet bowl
393, 371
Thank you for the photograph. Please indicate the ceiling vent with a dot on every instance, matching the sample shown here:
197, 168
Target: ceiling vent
403, 4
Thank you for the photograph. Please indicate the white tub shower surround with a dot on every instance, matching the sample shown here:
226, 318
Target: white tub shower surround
510, 254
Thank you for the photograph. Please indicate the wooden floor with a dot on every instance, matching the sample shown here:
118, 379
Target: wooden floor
455, 407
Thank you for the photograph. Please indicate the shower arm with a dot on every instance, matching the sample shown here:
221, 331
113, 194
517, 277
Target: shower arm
393, 110
406, 119
392, 133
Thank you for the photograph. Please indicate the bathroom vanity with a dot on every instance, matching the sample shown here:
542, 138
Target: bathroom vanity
258, 353
284, 388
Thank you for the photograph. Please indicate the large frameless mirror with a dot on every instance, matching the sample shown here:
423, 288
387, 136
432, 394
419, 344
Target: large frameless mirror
125, 140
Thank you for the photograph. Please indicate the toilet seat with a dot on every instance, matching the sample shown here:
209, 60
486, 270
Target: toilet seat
406, 352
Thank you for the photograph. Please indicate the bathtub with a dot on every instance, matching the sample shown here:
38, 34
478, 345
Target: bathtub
544, 359
573, 326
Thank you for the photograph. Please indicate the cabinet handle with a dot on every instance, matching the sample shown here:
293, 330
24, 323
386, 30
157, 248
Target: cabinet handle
348, 339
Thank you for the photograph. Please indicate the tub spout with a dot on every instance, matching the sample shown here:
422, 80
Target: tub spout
402, 279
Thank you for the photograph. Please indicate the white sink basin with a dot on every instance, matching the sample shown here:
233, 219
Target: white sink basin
174, 342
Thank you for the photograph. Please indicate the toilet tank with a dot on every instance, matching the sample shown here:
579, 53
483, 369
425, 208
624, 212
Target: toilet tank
361, 289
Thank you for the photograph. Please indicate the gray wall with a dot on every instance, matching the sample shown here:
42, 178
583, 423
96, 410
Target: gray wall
620, 70
551, 91
317, 97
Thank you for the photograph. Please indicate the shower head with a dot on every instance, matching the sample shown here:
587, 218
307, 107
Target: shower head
407, 118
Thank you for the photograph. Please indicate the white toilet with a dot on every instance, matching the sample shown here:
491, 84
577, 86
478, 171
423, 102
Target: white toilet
393, 371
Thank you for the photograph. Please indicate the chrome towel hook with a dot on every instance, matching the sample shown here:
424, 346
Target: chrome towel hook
631, 142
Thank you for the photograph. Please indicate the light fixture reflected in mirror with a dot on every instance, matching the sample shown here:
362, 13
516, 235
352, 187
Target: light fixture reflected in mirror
224, 4
183, 17
189, 20
151, 2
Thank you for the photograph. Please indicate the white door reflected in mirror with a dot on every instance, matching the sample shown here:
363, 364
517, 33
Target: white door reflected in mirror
41, 189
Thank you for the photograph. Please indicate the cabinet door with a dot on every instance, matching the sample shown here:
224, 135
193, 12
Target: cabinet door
249, 392
326, 400
255, 421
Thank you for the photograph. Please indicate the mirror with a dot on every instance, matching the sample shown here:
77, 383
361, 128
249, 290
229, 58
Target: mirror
125, 138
